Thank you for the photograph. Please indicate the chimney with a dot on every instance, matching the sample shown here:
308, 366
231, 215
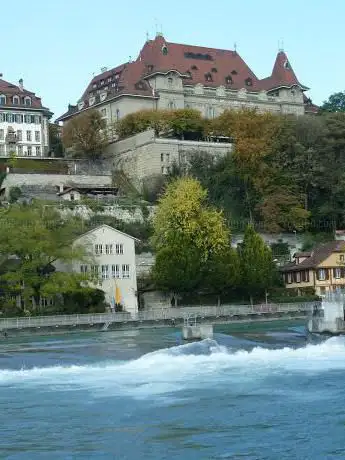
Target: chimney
21, 87
0, 75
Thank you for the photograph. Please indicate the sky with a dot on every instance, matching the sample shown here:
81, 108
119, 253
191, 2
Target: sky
57, 46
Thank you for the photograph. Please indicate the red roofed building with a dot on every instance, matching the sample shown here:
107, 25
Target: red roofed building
170, 75
23, 121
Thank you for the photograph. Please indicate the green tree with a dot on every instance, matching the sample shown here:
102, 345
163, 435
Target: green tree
86, 135
258, 270
30, 242
188, 235
55, 142
335, 103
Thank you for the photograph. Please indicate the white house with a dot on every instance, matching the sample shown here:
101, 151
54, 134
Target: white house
113, 260
24, 121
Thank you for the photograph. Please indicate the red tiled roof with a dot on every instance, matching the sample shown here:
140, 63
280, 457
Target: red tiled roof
9, 90
207, 66
318, 255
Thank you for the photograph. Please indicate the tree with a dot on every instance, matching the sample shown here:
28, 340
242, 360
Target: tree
188, 235
55, 142
335, 103
86, 135
257, 267
30, 243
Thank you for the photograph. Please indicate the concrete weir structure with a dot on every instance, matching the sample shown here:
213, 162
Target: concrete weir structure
191, 330
330, 317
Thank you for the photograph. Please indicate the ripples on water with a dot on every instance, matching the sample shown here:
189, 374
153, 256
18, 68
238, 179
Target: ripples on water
266, 395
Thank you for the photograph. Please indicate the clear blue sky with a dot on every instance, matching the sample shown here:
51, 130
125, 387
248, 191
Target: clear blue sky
56, 46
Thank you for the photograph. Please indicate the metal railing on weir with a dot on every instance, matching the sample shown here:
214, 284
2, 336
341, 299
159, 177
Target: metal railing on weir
156, 314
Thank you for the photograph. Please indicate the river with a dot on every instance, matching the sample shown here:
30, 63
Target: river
257, 391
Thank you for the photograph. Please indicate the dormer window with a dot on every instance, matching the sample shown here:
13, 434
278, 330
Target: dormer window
248, 81
164, 50
27, 100
16, 100
102, 82
208, 77
2, 99
287, 65
150, 68
228, 80
94, 86
194, 67
170, 82
234, 72
92, 100
214, 70
81, 105
109, 79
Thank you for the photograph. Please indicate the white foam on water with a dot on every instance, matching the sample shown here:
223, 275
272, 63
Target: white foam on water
186, 366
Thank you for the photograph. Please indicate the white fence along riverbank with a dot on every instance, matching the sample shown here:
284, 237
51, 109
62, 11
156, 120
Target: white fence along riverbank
162, 314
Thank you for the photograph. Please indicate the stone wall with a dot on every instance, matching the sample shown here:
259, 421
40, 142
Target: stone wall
145, 155
42, 181
128, 214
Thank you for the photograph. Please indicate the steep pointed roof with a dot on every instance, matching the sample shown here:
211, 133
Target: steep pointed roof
282, 74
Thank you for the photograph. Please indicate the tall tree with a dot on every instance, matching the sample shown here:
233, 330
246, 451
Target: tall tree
188, 235
55, 141
335, 103
86, 135
256, 262
30, 243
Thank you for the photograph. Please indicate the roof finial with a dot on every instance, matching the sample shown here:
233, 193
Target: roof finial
235, 47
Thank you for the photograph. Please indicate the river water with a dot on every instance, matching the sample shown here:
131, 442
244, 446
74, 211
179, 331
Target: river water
258, 391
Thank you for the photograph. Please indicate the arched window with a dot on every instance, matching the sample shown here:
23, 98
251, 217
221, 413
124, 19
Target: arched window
2, 99
16, 100
27, 100
117, 114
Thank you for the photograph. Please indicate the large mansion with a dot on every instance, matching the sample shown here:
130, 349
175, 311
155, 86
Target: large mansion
171, 76
23, 121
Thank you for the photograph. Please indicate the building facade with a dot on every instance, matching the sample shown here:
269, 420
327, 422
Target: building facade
113, 262
322, 269
24, 122
174, 76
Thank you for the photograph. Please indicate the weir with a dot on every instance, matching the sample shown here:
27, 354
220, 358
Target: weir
192, 330
329, 318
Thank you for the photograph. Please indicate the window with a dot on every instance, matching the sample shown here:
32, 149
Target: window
27, 100
119, 248
19, 118
115, 271
16, 100
98, 249
171, 105
38, 150
341, 257
170, 82
2, 133
94, 270
2, 149
321, 274
164, 50
37, 136
228, 80
29, 151
108, 248
104, 112
234, 72
94, 86
20, 150
37, 119
117, 114
105, 272
289, 278
10, 117
162, 170
125, 271
72, 196
204, 57
298, 277
2, 100
83, 269
337, 273
19, 135
214, 70
194, 67
162, 155
2, 117
249, 82
167, 157
28, 135
208, 77
32, 118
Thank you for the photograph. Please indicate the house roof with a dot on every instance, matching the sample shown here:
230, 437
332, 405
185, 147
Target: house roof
317, 256
196, 64
9, 90
109, 227
90, 189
